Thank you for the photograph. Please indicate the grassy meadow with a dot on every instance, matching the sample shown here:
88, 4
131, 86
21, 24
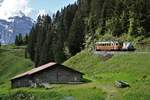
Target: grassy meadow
102, 74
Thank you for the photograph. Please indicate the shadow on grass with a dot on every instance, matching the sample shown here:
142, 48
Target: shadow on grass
86, 81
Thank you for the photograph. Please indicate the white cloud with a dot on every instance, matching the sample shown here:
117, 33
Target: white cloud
10, 8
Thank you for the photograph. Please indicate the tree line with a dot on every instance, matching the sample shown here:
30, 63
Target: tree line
74, 27
21, 40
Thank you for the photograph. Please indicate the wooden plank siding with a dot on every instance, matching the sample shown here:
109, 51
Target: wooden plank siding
56, 74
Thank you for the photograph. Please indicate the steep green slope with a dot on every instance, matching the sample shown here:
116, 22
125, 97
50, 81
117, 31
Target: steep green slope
130, 67
12, 62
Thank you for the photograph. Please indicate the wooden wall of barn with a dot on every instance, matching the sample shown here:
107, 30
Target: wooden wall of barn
55, 75
21, 82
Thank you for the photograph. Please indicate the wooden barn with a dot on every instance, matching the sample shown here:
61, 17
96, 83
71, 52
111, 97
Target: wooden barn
51, 73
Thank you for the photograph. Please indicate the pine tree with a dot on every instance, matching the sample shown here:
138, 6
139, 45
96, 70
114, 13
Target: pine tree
47, 51
32, 43
68, 16
20, 39
76, 35
26, 39
17, 40
58, 44
43, 27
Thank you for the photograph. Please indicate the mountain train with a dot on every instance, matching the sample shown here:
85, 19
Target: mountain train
114, 46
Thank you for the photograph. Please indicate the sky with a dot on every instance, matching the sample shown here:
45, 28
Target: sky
31, 8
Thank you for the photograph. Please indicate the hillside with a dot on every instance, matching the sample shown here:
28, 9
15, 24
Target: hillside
78, 26
12, 62
68, 36
132, 67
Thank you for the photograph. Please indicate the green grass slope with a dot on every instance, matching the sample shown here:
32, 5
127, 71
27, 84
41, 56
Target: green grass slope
131, 67
12, 62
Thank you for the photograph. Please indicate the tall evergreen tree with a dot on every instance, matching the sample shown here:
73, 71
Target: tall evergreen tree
26, 39
17, 40
32, 43
20, 38
59, 40
76, 36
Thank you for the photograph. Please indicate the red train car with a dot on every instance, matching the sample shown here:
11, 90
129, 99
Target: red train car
108, 46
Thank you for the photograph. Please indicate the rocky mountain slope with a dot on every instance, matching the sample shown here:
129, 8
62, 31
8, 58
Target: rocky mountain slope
13, 26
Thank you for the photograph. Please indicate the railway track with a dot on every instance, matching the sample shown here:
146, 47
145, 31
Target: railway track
119, 52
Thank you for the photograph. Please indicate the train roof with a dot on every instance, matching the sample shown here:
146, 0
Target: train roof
107, 42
